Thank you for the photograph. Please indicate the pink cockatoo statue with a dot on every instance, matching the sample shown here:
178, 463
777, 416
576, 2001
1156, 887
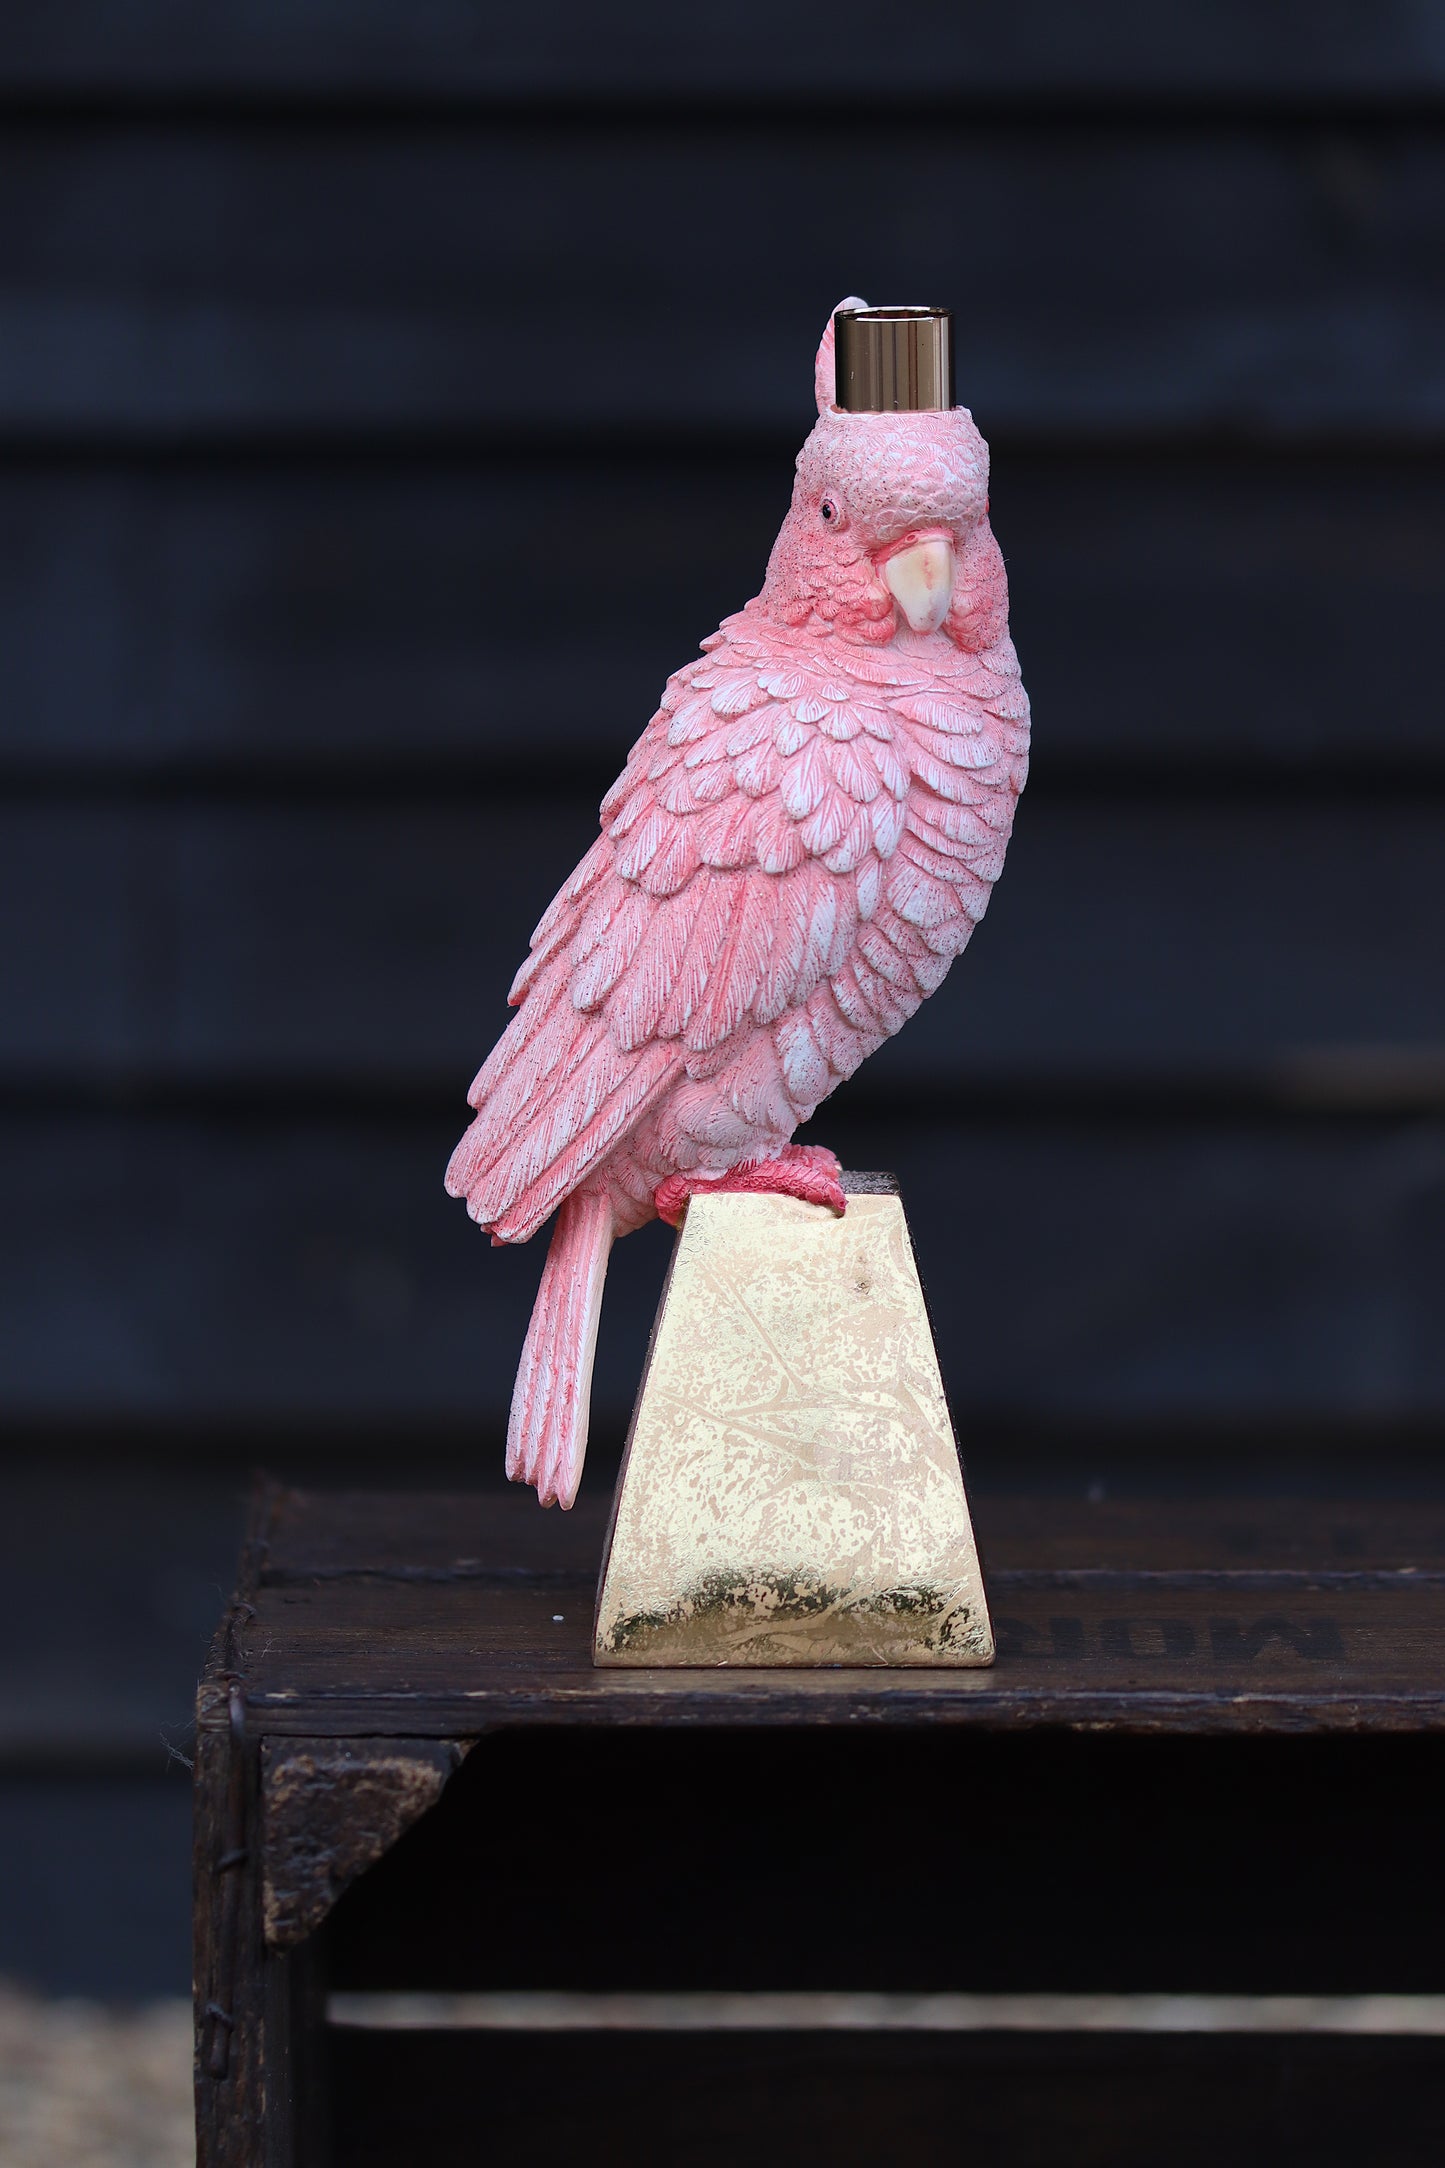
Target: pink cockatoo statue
802, 840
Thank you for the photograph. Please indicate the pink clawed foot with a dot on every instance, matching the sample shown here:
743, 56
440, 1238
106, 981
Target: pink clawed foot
809, 1171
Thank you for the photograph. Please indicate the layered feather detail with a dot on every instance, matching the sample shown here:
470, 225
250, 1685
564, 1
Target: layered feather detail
547, 1430
800, 842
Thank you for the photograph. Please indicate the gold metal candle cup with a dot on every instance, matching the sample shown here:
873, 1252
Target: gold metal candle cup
893, 361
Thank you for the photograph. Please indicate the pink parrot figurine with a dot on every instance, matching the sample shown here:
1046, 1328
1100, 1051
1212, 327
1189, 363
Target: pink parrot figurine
802, 840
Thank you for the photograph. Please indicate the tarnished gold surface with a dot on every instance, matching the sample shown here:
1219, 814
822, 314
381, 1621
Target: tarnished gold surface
792, 1491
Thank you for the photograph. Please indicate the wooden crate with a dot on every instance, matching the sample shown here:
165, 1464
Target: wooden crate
1209, 1759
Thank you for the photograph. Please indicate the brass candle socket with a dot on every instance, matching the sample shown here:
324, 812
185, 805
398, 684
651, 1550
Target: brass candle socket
892, 361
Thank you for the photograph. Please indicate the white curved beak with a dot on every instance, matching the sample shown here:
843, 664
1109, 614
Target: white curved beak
920, 581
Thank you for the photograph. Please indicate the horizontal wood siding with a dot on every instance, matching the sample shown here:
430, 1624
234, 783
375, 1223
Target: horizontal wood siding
167, 281
756, 52
377, 612
234, 1270
312, 356
1176, 939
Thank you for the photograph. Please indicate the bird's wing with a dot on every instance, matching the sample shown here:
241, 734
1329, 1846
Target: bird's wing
937, 852
745, 851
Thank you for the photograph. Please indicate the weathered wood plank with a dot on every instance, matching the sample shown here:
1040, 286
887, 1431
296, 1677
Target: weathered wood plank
360, 947
230, 2005
385, 614
179, 283
109, 1576
756, 54
331, 1811
371, 1654
311, 1271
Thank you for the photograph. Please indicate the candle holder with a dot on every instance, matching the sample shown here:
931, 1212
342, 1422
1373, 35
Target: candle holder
801, 842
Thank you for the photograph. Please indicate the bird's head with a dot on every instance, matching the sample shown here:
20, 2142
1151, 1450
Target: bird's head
884, 503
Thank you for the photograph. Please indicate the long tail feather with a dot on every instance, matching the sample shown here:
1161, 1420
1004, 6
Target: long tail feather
551, 1400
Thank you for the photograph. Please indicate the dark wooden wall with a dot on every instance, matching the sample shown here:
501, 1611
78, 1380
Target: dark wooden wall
326, 331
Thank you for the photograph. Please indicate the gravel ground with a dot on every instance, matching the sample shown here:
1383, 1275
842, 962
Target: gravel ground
85, 2086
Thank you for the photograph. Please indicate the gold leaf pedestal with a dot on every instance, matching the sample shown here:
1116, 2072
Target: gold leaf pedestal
791, 1492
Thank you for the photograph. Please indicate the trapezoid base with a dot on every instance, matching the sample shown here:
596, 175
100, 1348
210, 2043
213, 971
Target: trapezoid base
791, 1491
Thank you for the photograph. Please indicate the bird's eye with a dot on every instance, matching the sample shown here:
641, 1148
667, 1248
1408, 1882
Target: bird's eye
829, 511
